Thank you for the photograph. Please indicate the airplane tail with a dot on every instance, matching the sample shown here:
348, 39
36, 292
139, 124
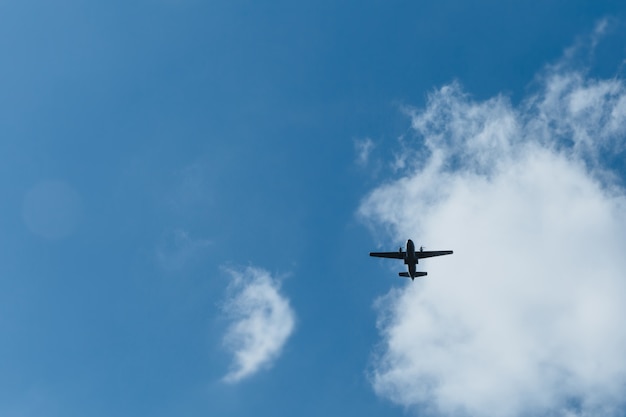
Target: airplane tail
417, 274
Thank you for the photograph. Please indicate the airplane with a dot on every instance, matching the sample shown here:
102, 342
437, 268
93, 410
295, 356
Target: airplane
411, 258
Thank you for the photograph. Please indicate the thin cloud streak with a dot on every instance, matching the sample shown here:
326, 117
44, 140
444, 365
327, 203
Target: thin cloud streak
363, 150
177, 249
261, 322
525, 317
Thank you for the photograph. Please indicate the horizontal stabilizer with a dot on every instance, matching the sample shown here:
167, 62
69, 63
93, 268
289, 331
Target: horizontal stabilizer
417, 274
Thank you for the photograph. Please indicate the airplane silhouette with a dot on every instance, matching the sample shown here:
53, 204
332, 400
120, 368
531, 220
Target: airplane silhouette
411, 258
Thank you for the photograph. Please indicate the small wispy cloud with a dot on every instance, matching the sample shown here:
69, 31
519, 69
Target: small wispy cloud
525, 317
177, 249
261, 321
52, 209
194, 188
363, 149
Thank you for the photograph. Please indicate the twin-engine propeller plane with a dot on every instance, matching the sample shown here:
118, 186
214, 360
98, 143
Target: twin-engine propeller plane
411, 258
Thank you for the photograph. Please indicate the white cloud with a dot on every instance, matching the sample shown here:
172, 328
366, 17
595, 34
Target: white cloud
261, 322
526, 317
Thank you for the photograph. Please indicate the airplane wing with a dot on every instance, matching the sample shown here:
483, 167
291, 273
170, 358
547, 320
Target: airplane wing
393, 255
431, 253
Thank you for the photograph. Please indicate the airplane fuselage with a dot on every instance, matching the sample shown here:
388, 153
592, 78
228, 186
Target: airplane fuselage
410, 257
410, 260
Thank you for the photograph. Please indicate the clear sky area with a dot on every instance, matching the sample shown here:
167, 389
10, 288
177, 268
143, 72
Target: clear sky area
190, 190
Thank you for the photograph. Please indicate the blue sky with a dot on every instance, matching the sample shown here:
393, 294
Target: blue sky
181, 185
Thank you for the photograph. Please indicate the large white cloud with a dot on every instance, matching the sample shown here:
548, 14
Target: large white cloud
526, 318
261, 322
